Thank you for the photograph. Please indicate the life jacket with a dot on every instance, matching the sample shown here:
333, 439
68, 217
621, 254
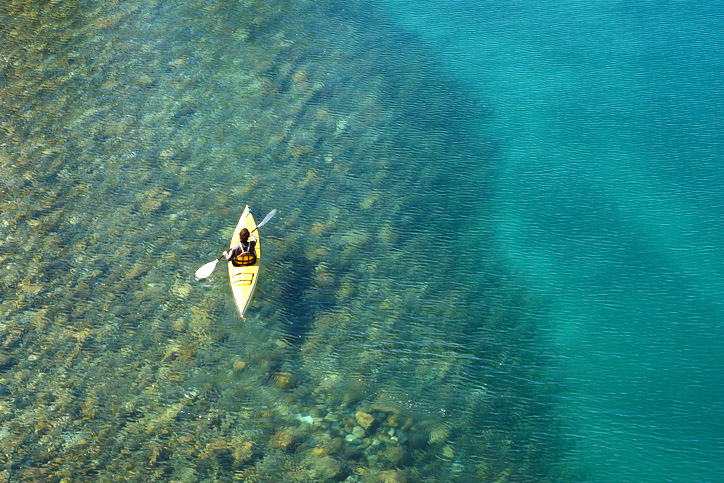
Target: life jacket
246, 257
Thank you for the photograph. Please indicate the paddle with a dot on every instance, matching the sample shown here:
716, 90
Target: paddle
208, 268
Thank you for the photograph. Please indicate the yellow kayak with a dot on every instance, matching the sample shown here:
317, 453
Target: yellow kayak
243, 277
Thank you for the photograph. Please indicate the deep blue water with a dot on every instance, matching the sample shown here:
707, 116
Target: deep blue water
608, 122
499, 236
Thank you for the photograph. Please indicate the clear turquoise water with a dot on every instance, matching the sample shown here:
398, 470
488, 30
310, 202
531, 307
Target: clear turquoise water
498, 235
608, 122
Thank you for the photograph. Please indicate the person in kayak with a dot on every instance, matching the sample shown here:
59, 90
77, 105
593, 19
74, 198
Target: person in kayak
244, 245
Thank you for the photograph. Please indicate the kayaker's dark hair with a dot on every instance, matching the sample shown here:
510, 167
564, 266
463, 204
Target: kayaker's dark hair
244, 235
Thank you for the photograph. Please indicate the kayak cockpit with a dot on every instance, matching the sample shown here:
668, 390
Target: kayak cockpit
244, 260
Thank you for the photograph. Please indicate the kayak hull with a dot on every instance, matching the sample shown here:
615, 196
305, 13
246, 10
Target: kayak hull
243, 279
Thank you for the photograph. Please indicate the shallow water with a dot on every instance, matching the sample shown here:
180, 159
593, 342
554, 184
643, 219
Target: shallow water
135, 134
453, 288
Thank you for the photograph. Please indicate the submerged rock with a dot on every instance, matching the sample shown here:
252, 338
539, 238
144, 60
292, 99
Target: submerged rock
336, 444
239, 365
393, 476
284, 380
439, 434
285, 440
394, 453
364, 419
317, 452
242, 452
326, 468
307, 419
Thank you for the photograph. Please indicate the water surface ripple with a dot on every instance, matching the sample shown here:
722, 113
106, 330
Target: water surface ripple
386, 342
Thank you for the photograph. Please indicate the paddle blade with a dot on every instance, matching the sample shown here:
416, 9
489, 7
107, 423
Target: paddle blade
267, 218
206, 270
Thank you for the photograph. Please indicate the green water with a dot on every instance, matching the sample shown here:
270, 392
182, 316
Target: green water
384, 342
